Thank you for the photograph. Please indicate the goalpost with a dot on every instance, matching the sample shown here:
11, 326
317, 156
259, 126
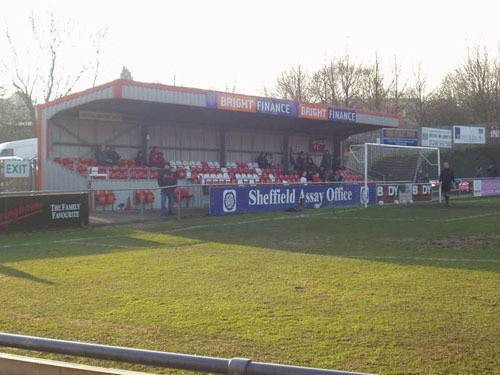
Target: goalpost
404, 166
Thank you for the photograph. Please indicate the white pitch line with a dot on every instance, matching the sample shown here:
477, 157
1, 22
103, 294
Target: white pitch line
107, 245
184, 229
61, 241
329, 214
421, 258
471, 217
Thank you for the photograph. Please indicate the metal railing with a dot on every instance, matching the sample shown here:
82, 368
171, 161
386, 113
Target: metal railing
234, 366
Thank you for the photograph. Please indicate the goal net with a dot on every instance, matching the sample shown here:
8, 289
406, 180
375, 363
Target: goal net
401, 166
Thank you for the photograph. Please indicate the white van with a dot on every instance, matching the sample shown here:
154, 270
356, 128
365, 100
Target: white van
24, 148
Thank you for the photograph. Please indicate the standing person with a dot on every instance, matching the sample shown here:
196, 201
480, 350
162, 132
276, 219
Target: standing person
167, 181
327, 161
446, 179
261, 160
492, 170
479, 172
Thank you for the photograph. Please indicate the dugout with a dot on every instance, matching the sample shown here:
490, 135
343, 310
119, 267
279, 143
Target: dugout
188, 124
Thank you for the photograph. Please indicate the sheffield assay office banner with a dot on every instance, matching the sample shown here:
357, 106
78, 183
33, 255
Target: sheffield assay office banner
35, 212
244, 199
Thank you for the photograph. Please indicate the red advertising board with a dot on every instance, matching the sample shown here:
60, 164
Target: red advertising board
391, 192
317, 144
313, 111
234, 102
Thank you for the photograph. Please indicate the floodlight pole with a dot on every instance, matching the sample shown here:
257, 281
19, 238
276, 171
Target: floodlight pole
366, 176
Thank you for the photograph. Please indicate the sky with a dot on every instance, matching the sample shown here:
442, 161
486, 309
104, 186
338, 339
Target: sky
245, 45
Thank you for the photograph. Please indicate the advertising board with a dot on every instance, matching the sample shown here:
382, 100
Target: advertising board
244, 199
33, 212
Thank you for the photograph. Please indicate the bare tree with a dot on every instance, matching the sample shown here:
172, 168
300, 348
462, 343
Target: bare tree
14, 120
472, 84
47, 79
397, 89
294, 85
419, 97
495, 88
325, 85
350, 77
443, 104
374, 90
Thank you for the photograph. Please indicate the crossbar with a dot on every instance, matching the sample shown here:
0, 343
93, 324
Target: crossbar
235, 366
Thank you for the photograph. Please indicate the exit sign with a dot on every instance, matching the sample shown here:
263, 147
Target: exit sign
16, 168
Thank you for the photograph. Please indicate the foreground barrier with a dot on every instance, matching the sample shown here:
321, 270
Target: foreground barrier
235, 366
27, 212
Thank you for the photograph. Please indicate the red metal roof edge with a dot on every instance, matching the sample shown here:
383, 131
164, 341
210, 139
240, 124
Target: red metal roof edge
118, 84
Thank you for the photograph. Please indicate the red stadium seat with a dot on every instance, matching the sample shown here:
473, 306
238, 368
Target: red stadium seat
105, 198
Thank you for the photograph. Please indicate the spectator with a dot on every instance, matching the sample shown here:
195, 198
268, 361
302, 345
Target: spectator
303, 178
301, 162
269, 161
326, 161
113, 156
322, 172
492, 171
339, 177
156, 158
261, 160
331, 176
479, 172
310, 166
102, 157
140, 160
167, 181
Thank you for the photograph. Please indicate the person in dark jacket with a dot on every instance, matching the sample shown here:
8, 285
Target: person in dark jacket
167, 181
492, 171
102, 157
140, 160
446, 179
327, 161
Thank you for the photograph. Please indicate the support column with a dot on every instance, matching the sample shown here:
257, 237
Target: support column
144, 140
286, 151
338, 152
222, 147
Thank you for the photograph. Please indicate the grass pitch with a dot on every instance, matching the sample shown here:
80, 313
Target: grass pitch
391, 290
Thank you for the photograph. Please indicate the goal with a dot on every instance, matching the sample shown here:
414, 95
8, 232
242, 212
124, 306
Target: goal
403, 166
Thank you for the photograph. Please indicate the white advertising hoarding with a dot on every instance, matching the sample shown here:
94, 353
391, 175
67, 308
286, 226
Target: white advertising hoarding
469, 135
432, 137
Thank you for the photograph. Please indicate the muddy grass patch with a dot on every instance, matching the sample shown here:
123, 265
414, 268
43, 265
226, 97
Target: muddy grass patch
458, 243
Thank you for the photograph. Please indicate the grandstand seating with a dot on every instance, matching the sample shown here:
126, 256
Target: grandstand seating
144, 197
197, 172
105, 198
181, 194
